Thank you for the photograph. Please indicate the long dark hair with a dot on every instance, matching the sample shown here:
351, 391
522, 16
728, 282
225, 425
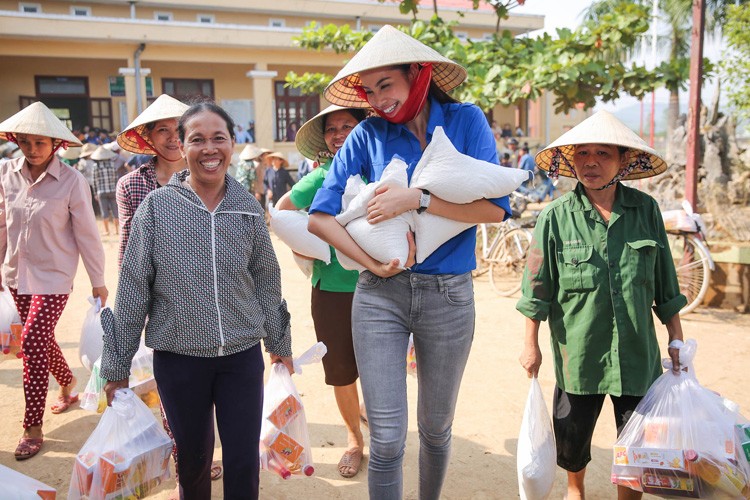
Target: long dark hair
439, 94
200, 107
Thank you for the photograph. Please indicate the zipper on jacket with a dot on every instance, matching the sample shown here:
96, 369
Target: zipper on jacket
216, 281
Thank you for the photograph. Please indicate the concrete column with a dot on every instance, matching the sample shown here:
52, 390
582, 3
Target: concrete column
130, 94
263, 98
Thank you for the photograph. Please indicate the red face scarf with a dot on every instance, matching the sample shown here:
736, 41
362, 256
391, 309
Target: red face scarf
414, 103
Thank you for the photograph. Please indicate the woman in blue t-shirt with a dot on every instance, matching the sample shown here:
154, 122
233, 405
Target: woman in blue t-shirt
405, 82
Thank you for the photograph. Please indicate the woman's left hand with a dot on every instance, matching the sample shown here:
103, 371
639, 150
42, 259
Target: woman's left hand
391, 201
286, 360
101, 292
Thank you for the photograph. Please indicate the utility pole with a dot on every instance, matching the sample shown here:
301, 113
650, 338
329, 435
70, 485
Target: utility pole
694, 103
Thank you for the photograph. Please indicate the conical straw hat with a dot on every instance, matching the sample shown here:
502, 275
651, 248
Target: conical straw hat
87, 150
37, 119
602, 128
250, 152
310, 138
390, 47
279, 155
163, 108
103, 153
69, 154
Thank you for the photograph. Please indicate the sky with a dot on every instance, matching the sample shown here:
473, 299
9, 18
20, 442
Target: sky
568, 14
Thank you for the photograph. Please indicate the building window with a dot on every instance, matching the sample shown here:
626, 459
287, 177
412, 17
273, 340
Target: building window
62, 85
461, 35
206, 18
276, 23
30, 8
292, 110
488, 37
80, 11
186, 89
163, 16
374, 27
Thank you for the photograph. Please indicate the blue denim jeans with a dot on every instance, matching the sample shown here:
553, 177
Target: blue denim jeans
439, 311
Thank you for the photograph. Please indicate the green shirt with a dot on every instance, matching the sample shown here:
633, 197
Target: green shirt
596, 282
331, 277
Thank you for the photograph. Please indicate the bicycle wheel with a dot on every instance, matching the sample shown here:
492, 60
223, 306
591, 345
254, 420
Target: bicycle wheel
486, 234
693, 269
507, 261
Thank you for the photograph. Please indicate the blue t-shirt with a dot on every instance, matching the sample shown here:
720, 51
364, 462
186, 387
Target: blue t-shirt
373, 143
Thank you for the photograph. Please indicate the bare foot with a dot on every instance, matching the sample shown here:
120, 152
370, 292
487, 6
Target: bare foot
67, 390
34, 432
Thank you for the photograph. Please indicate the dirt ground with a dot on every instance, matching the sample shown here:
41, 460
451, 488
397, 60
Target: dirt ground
485, 431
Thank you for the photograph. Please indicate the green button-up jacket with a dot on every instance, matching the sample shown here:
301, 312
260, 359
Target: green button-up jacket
596, 283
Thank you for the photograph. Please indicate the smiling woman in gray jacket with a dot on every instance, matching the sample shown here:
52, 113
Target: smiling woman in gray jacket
200, 266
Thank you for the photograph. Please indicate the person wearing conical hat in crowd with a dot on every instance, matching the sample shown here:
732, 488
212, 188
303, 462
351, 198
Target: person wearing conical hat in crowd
105, 183
40, 196
262, 163
205, 326
70, 156
332, 285
120, 161
406, 84
247, 166
277, 179
153, 132
86, 166
598, 262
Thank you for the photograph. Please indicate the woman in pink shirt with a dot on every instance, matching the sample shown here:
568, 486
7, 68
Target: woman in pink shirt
46, 222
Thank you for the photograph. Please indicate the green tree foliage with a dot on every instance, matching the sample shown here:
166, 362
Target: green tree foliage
736, 61
576, 67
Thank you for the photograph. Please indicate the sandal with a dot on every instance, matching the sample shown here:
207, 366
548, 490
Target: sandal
63, 403
216, 470
350, 462
28, 447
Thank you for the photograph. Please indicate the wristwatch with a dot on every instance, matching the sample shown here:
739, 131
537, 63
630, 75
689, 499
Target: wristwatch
424, 201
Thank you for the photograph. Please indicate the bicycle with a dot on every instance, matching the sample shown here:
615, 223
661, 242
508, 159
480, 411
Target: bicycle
692, 259
502, 249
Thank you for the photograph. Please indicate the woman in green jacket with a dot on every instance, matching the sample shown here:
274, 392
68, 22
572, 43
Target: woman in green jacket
333, 286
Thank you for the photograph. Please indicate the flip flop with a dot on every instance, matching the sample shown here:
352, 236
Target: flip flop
63, 403
350, 461
216, 471
28, 447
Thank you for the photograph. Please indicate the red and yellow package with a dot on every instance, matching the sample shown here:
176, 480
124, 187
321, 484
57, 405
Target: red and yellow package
285, 411
286, 447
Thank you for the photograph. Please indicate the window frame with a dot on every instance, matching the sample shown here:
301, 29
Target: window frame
277, 22
84, 8
304, 107
36, 6
187, 97
168, 15
211, 18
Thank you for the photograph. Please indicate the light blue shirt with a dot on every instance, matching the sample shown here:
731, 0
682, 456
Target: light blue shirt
373, 143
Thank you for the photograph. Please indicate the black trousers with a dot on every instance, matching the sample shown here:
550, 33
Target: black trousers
189, 388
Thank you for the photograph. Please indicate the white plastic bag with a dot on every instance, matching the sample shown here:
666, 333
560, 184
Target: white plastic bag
284, 440
537, 454
11, 328
141, 382
127, 455
411, 357
92, 335
291, 228
455, 177
683, 440
16, 486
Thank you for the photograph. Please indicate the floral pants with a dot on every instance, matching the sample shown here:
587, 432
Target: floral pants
41, 353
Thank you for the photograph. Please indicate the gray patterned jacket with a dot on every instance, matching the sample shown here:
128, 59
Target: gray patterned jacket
209, 283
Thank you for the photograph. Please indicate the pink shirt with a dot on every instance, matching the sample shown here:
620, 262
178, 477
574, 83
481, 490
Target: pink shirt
44, 226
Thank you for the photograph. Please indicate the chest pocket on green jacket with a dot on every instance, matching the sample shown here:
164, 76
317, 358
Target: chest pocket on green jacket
577, 271
642, 260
